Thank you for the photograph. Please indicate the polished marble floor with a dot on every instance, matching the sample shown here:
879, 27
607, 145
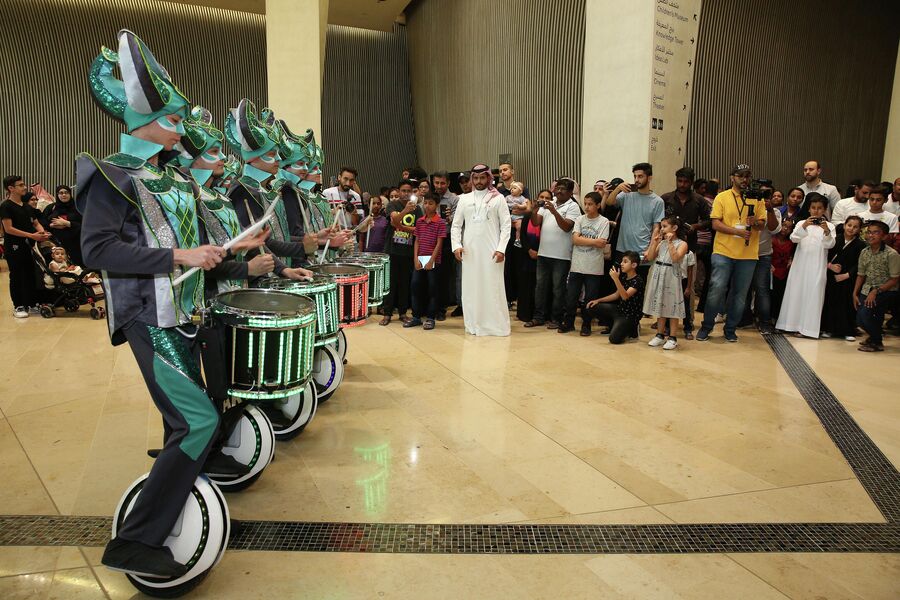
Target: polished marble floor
438, 427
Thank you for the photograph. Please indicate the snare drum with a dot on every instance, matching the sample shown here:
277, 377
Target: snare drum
270, 343
375, 269
323, 290
353, 291
385, 260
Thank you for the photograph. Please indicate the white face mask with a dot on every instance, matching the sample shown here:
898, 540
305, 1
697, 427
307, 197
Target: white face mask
267, 159
166, 124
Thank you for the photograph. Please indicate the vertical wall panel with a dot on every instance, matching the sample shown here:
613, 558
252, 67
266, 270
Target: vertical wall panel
366, 108
498, 77
48, 115
779, 83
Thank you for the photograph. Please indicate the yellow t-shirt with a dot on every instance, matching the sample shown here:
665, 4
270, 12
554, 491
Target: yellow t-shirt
729, 207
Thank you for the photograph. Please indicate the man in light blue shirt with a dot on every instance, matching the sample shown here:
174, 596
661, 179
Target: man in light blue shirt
642, 210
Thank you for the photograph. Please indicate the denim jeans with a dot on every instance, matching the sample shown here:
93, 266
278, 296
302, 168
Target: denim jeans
551, 274
425, 292
591, 284
732, 277
871, 319
759, 296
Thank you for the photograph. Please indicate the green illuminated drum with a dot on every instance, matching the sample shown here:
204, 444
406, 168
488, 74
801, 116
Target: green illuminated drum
375, 268
323, 291
385, 261
270, 342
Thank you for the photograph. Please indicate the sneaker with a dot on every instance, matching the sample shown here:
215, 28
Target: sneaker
824, 335
656, 340
552, 325
766, 329
703, 335
871, 348
850, 338
139, 559
414, 322
731, 337
20, 312
429, 324
34, 310
670, 344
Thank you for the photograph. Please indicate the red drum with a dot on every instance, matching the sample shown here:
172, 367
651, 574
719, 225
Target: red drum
353, 291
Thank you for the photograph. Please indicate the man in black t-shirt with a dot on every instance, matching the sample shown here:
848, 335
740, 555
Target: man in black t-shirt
20, 230
402, 213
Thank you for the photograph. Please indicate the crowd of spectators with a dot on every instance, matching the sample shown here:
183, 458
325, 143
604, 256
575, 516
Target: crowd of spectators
745, 254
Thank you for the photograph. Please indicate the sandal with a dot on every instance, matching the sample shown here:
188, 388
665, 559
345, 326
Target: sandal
429, 324
689, 336
534, 323
385, 320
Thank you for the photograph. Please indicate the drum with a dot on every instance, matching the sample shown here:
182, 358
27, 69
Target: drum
270, 342
323, 290
385, 260
375, 268
353, 291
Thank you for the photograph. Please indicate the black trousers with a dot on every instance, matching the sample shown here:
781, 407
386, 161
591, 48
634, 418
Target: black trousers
591, 285
447, 275
190, 421
607, 313
527, 283
425, 290
511, 268
22, 274
401, 277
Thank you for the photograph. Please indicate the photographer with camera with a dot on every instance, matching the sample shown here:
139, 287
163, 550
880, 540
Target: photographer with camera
737, 220
344, 199
761, 288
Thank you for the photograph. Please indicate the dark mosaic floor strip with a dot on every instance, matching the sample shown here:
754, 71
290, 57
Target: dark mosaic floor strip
287, 536
877, 475
875, 472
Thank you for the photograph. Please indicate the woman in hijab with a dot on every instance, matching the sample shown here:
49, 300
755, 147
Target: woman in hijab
65, 223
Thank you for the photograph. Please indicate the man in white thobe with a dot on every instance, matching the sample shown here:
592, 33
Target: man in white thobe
480, 247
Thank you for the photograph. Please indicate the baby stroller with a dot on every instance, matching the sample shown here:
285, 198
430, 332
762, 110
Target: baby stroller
68, 290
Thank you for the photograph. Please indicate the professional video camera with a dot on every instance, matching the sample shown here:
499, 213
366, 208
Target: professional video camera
760, 189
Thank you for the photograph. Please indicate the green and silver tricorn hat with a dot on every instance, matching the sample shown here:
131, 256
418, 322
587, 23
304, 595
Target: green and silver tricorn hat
315, 157
146, 91
292, 148
246, 133
200, 135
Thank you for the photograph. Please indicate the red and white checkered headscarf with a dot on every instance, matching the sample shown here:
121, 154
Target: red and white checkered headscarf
483, 168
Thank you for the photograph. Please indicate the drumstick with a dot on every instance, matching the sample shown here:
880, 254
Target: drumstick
328, 242
366, 246
251, 230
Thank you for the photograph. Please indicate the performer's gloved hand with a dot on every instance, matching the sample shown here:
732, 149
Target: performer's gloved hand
205, 257
260, 265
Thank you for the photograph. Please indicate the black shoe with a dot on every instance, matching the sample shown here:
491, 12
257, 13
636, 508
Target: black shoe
221, 464
140, 559
441, 315
585, 331
457, 312
606, 331
565, 329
